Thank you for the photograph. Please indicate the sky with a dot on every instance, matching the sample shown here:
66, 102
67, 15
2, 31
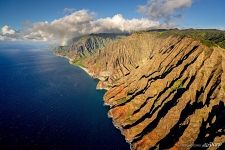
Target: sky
59, 20
14, 12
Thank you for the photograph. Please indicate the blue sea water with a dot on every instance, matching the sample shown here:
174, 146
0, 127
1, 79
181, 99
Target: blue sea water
48, 104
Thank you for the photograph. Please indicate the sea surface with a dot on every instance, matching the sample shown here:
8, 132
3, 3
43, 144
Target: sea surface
48, 104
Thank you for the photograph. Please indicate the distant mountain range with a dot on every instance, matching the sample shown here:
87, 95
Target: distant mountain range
166, 88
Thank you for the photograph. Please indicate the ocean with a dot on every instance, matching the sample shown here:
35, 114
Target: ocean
48, 104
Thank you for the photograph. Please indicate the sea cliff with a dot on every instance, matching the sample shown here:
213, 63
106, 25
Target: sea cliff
166, 89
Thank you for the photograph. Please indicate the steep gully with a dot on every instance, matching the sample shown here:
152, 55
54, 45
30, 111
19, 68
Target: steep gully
164, 92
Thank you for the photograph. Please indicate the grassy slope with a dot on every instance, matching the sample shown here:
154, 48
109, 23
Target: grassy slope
209, 37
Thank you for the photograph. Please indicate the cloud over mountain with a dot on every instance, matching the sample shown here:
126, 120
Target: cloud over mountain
164, 9
79, 23
84, 22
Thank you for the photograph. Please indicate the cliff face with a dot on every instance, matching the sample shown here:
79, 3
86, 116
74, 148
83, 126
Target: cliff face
165, 92
86, 45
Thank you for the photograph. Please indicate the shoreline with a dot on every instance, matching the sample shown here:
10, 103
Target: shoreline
70, 61
94, 77
120, 129
88, 72
104, 104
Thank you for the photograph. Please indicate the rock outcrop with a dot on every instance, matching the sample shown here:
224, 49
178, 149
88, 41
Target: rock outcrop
165, 91
86, 45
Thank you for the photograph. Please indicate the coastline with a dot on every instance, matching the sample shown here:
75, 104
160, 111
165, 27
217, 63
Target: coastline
100, 85
121, 131
114, 124
98, 88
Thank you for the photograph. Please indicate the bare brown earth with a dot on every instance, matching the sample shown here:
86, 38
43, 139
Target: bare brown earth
164, 92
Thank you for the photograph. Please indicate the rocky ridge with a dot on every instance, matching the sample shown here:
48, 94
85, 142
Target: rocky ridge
85, 45
165, 91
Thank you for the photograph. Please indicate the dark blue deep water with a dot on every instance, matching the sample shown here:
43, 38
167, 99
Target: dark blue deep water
48, 104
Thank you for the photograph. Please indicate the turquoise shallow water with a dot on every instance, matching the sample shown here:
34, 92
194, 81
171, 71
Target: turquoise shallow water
46, 103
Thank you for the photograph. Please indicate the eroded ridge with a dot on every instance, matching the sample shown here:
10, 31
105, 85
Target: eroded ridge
173, 100
164, 92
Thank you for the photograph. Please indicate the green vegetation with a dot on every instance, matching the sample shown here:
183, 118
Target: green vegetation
224, 87
208, 52
208, 37
130, 121
121, 101
109, 86
200, 99
203, 72
78, 63
177, 85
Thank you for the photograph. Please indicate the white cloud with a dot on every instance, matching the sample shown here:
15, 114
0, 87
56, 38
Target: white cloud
2, 38
69, 10
118, 23
164, 9
66, 27
75, 24
9, 34
84, 22
81, 22
7, 30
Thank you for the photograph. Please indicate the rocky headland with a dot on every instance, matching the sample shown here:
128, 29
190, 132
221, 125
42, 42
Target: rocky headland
165, 88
